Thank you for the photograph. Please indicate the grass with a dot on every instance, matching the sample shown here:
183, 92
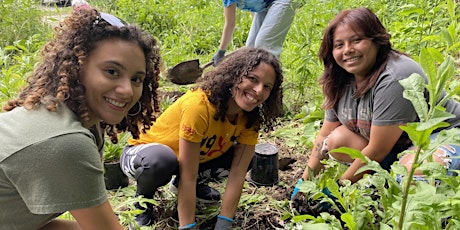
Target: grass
191, 30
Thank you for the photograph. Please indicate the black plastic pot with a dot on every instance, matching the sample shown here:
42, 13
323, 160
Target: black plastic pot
264, 171
114, 177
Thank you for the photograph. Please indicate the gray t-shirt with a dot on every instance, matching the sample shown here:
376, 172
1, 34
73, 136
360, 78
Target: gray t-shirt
384, 104
49, 164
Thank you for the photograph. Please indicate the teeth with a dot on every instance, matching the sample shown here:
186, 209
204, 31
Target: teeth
115, 103
253, 100
352, 59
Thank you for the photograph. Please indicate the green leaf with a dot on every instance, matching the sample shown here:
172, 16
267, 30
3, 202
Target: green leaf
348, 219
353, 153
428, 62
419, 138
414, 87
436, 121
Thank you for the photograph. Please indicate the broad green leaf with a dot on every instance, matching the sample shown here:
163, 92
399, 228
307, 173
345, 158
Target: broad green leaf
436, 120
348, 219
299, 218
428, 63
353, 153
445, 71
419, 138
414, 86
431, 166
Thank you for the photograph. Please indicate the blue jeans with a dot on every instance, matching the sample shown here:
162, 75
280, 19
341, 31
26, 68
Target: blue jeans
450, 156
270, 27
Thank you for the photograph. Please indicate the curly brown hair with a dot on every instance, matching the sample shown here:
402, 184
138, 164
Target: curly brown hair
220, 81
56, 80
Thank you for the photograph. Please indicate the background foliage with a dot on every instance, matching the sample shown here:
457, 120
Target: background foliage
191, 30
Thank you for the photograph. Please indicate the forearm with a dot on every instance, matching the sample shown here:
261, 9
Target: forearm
229, 26
314, 162
349, 174
186, 202
376, 154
188, 170
100, 217
232, 195
236, 178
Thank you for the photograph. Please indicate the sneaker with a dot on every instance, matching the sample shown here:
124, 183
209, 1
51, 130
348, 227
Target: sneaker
204, 193
144, 219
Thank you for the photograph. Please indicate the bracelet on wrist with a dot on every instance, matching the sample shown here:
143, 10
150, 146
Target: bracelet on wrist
188, 225
226, 218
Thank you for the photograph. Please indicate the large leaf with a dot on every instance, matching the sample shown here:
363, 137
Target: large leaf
353, 153
436, 120
414, 86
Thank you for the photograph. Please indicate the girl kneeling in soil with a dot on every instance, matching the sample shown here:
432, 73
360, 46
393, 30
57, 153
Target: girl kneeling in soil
98, 75
363, 97
207, 134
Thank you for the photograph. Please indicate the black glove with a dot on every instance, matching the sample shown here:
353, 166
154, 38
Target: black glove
218, 56
223, 223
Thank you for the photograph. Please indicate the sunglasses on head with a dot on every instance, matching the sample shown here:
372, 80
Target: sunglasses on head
112, 20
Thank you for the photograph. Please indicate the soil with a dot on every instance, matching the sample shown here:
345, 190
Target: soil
264, 213
255, 216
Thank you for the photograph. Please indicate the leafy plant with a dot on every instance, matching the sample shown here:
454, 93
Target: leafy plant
112, 152
17, 61
395, 203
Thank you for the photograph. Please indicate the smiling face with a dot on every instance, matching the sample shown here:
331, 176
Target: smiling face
354, 53
113, 78
255, 88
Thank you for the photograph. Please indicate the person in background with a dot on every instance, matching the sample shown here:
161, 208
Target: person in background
364, 100
79, 4
270, 25
208, 134
97, 75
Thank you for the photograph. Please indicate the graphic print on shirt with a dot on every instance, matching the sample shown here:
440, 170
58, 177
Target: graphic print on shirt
208, 143
357, 120
213, 149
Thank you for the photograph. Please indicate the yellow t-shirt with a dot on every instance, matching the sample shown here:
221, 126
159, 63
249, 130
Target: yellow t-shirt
191, 117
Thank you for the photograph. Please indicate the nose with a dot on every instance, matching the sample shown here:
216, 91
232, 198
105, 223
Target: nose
258, 88
348, 48
124, 88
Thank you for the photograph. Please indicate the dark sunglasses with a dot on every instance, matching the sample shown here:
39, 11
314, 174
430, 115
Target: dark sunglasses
112, 20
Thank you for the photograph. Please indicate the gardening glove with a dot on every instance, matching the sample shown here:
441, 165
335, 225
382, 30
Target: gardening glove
191, 226
296, 189
223, 223
325, 206
218, 56
328, 194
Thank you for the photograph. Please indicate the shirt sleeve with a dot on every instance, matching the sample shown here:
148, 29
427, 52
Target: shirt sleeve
248, 136
60, 174
331, 115
194, 120
390, 107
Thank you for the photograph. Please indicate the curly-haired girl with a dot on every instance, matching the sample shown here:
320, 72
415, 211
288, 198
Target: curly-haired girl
207, 134
98, 75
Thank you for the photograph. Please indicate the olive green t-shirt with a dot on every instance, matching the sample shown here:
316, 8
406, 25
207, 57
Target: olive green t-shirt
49, 164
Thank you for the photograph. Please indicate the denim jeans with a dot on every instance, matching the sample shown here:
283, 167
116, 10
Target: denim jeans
270, 27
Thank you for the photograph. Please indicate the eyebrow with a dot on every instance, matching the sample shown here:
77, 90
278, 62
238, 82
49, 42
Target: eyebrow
123, 67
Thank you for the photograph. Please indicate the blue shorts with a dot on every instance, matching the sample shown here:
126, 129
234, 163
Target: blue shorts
249, 5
